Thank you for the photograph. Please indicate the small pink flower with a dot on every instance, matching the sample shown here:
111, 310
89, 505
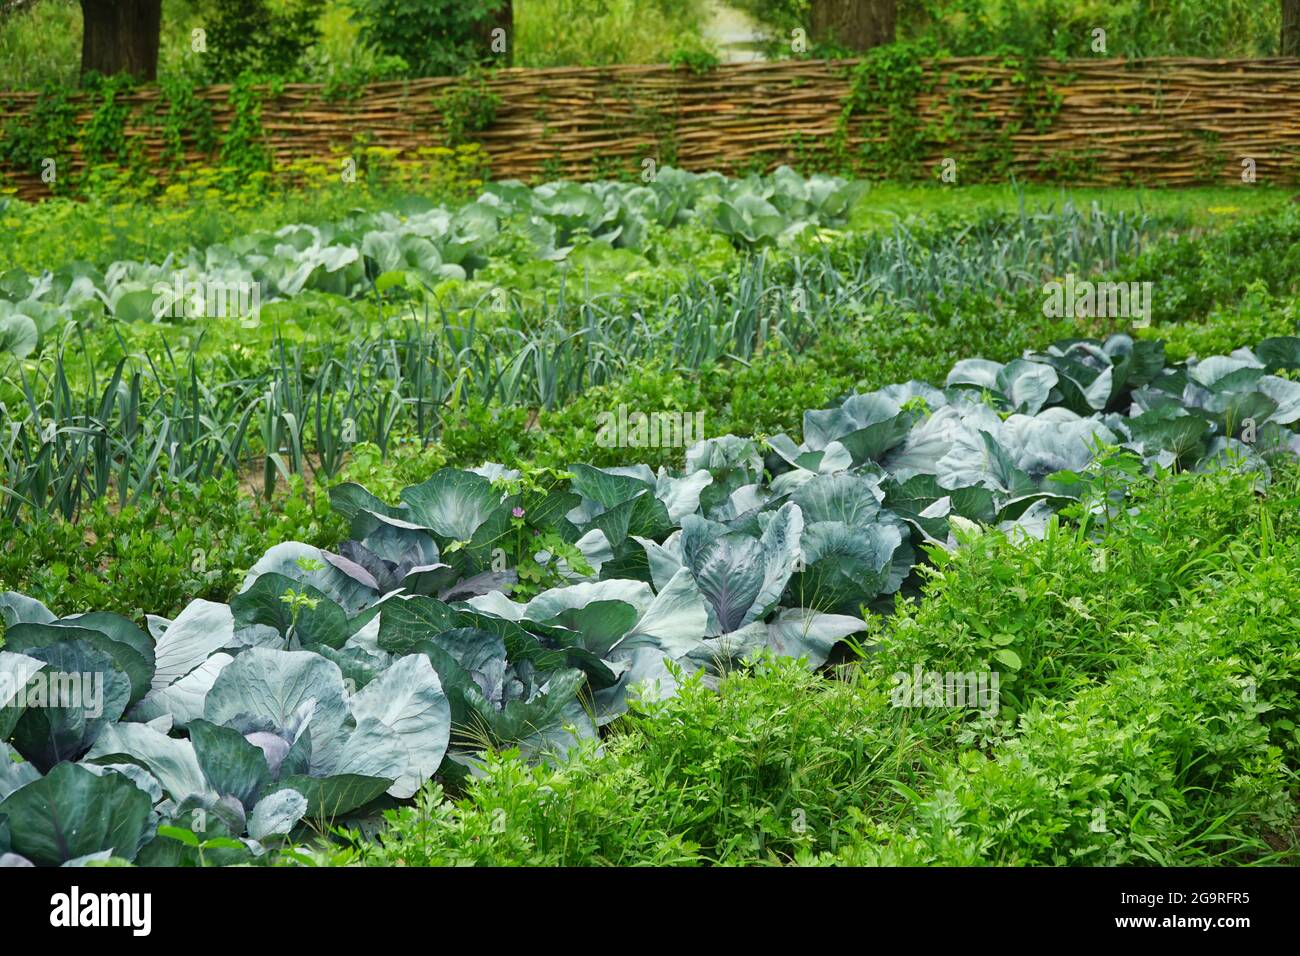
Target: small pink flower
518, 512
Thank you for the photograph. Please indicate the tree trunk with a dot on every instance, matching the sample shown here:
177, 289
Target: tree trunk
121, 36
856, 25
1291, 27
503, 19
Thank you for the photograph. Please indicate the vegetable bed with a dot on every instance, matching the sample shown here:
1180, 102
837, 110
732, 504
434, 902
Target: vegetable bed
738, 649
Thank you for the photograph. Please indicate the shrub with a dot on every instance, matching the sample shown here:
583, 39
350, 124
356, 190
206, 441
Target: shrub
433, 37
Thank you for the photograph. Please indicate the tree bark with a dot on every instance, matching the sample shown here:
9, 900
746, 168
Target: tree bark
503, 19
121, 36
1291, 27
856, 25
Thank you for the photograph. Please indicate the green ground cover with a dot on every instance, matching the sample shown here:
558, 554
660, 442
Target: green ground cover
1146, 713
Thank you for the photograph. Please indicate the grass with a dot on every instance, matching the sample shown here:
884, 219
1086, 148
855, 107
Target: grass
1134, 29
156, 557
1183, 756
1200, 206
604, 32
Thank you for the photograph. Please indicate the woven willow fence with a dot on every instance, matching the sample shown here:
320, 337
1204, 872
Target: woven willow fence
1167, 121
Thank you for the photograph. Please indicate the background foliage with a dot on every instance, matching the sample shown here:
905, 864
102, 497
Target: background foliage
348, 42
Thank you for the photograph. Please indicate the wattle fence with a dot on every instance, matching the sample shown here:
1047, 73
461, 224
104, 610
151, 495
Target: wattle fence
1160, 122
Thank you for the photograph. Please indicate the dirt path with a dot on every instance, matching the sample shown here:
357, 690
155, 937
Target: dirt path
736, 34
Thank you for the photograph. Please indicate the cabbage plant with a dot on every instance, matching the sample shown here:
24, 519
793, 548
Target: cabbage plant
334, 682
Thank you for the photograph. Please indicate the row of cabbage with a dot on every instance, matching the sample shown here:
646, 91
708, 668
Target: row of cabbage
420, 244
335, 682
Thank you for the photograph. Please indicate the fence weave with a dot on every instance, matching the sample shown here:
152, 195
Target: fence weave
1169, 121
